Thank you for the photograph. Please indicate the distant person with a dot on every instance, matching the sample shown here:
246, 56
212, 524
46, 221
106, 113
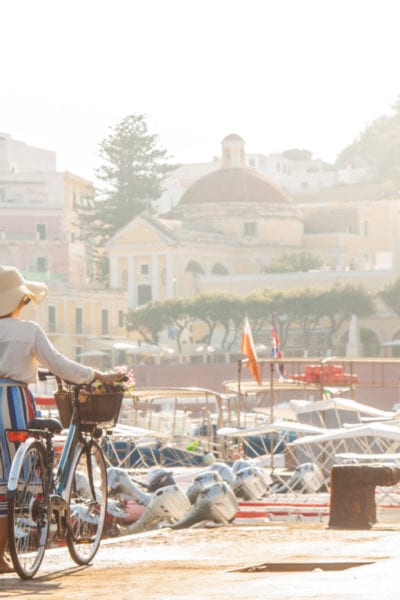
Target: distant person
23, 347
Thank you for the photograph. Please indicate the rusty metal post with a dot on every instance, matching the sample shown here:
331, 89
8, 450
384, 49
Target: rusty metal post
352, 493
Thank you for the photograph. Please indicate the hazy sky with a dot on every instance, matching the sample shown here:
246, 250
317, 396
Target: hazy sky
281, 73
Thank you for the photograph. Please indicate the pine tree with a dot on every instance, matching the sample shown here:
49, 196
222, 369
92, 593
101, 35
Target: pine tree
133, 169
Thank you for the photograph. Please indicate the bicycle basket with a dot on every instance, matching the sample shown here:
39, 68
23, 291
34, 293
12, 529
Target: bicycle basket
100, 408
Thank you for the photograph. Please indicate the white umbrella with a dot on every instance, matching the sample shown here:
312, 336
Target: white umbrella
92, 353
126, 346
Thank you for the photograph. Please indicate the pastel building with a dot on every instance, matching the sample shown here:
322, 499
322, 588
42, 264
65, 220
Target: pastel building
230, 222
37, 215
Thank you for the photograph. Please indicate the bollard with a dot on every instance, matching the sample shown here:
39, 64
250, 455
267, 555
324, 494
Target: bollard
352, 493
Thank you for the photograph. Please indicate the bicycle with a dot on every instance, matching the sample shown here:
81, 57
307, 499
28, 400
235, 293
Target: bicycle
69, 498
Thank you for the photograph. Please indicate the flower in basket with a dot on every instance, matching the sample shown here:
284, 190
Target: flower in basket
129, 378
98, 387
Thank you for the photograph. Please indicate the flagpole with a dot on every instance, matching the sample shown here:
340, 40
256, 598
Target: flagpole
271, 388
239, 391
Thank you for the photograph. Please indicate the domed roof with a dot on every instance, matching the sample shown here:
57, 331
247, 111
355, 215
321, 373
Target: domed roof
232, 137
233, 185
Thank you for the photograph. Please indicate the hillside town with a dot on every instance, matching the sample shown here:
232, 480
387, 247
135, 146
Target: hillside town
216, 228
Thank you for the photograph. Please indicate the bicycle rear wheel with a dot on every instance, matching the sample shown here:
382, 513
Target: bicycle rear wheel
86, 494
28, 509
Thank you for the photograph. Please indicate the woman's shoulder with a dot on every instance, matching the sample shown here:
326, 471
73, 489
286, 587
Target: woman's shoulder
14, 322
30, 326
18, 329
26, 323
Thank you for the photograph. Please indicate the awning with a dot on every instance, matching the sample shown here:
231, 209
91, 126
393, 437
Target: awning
88, 353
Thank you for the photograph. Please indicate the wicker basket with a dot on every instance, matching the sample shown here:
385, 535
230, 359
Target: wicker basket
100, 409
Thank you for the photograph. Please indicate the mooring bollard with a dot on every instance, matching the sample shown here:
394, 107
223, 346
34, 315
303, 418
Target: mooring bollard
352, 495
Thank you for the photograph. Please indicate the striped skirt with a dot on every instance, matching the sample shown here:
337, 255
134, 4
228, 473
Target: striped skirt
17, 407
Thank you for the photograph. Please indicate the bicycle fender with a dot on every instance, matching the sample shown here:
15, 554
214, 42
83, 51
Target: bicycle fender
16, 465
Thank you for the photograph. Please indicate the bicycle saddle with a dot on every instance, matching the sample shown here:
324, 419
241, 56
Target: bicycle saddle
52, 425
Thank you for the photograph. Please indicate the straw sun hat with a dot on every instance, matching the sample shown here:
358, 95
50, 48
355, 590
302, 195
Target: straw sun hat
13, 287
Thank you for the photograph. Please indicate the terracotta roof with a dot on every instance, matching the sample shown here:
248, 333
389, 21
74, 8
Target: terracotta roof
233, 185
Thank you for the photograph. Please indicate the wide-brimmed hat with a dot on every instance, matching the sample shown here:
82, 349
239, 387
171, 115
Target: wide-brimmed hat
13, 287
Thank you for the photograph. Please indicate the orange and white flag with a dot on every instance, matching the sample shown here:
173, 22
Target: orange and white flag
249, 350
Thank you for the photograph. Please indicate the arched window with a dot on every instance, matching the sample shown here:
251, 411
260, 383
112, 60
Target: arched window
194, 267
219, 269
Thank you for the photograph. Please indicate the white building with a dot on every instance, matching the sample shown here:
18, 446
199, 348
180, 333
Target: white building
19, 157
37, 214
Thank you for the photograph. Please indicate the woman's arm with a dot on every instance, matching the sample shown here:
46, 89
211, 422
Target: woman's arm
48, 356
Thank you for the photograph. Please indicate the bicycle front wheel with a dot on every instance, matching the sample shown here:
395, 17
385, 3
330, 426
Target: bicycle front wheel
28, 509
86, 494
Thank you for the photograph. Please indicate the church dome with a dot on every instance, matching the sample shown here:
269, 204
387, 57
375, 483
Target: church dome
233, 185
232, 137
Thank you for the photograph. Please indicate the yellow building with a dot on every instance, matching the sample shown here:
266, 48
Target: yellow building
230, 222
85, 324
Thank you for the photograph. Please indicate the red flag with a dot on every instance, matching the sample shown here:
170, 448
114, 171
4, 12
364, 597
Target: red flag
249, 350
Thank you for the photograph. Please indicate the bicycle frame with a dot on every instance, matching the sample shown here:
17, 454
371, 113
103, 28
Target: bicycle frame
73, 444
74, 438
56, 483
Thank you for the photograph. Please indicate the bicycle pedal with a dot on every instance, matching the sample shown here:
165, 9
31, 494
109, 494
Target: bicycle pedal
85, 540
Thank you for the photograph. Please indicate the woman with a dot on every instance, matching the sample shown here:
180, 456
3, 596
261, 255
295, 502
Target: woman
23, 346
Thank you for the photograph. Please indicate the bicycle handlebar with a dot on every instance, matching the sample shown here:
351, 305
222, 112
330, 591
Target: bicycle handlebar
44, 374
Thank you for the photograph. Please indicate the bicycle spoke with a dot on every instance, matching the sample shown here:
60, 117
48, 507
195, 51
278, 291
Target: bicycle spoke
87, 502
28, 513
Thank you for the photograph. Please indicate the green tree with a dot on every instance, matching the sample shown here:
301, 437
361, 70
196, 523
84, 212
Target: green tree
209, 309
92, 232
294, 262
304, 307
230, 316
132, 173
148, 320
390, 294
259, 306
378, 148
342, 301
292, 309
177, 315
